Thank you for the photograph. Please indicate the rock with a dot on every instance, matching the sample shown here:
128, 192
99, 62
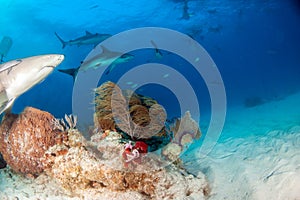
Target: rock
24, 138
98, 164
172, 151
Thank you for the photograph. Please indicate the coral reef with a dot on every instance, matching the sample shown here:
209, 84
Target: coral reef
136, 115
121, 159
185, 130
96, 165
133, 154
70, 123
24, 139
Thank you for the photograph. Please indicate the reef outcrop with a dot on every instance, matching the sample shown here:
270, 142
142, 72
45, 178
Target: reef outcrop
126, 154
112, 103
96, 165
24, 139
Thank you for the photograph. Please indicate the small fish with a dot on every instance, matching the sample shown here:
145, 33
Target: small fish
95, 6
134, 86
166, 75
87, 39
129, 83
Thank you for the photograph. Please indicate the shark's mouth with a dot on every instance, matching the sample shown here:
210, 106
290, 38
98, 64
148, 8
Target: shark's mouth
46, 69
48, 66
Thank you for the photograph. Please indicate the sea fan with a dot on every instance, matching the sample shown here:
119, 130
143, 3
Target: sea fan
61, 125
185, 129
123, 119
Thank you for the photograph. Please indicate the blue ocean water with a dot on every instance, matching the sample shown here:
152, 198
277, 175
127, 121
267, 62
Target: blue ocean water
254, 44
255, 48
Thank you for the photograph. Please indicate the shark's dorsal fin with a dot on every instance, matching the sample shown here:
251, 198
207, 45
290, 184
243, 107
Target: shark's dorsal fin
105, 50
8, 65
88, 33
110, 69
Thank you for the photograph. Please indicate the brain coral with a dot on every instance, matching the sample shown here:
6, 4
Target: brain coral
24, 139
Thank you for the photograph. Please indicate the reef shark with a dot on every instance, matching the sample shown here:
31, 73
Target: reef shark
158, 53
18, 76
105, 58
87, 39
185, 12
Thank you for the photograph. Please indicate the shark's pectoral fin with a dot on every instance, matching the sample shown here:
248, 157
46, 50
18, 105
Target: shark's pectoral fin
72, 72
105, 51
110, 69
6, 105
9, 65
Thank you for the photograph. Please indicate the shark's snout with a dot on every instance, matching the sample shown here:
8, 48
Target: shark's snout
51, 61
61, 57
57, 59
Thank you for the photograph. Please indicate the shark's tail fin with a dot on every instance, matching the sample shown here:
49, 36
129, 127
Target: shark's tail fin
72, 72
64, 43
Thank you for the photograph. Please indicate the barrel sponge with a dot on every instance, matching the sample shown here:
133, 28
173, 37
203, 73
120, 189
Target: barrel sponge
24, 138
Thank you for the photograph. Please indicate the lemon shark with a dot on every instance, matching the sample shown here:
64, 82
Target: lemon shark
104, 59
87, 39
18, 76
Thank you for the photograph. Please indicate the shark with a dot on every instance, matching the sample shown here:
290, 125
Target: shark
158, 53
105, 58
87, 39
5, 46
185, 12
18, 76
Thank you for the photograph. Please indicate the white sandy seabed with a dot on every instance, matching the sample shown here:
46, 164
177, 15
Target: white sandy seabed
258, 159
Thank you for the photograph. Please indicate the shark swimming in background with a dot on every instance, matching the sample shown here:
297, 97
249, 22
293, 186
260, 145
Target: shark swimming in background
158, 53
87, 39
5, 45
100, 60
18, 76
185, 12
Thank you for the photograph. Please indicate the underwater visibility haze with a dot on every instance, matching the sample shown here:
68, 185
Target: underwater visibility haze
227, 71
